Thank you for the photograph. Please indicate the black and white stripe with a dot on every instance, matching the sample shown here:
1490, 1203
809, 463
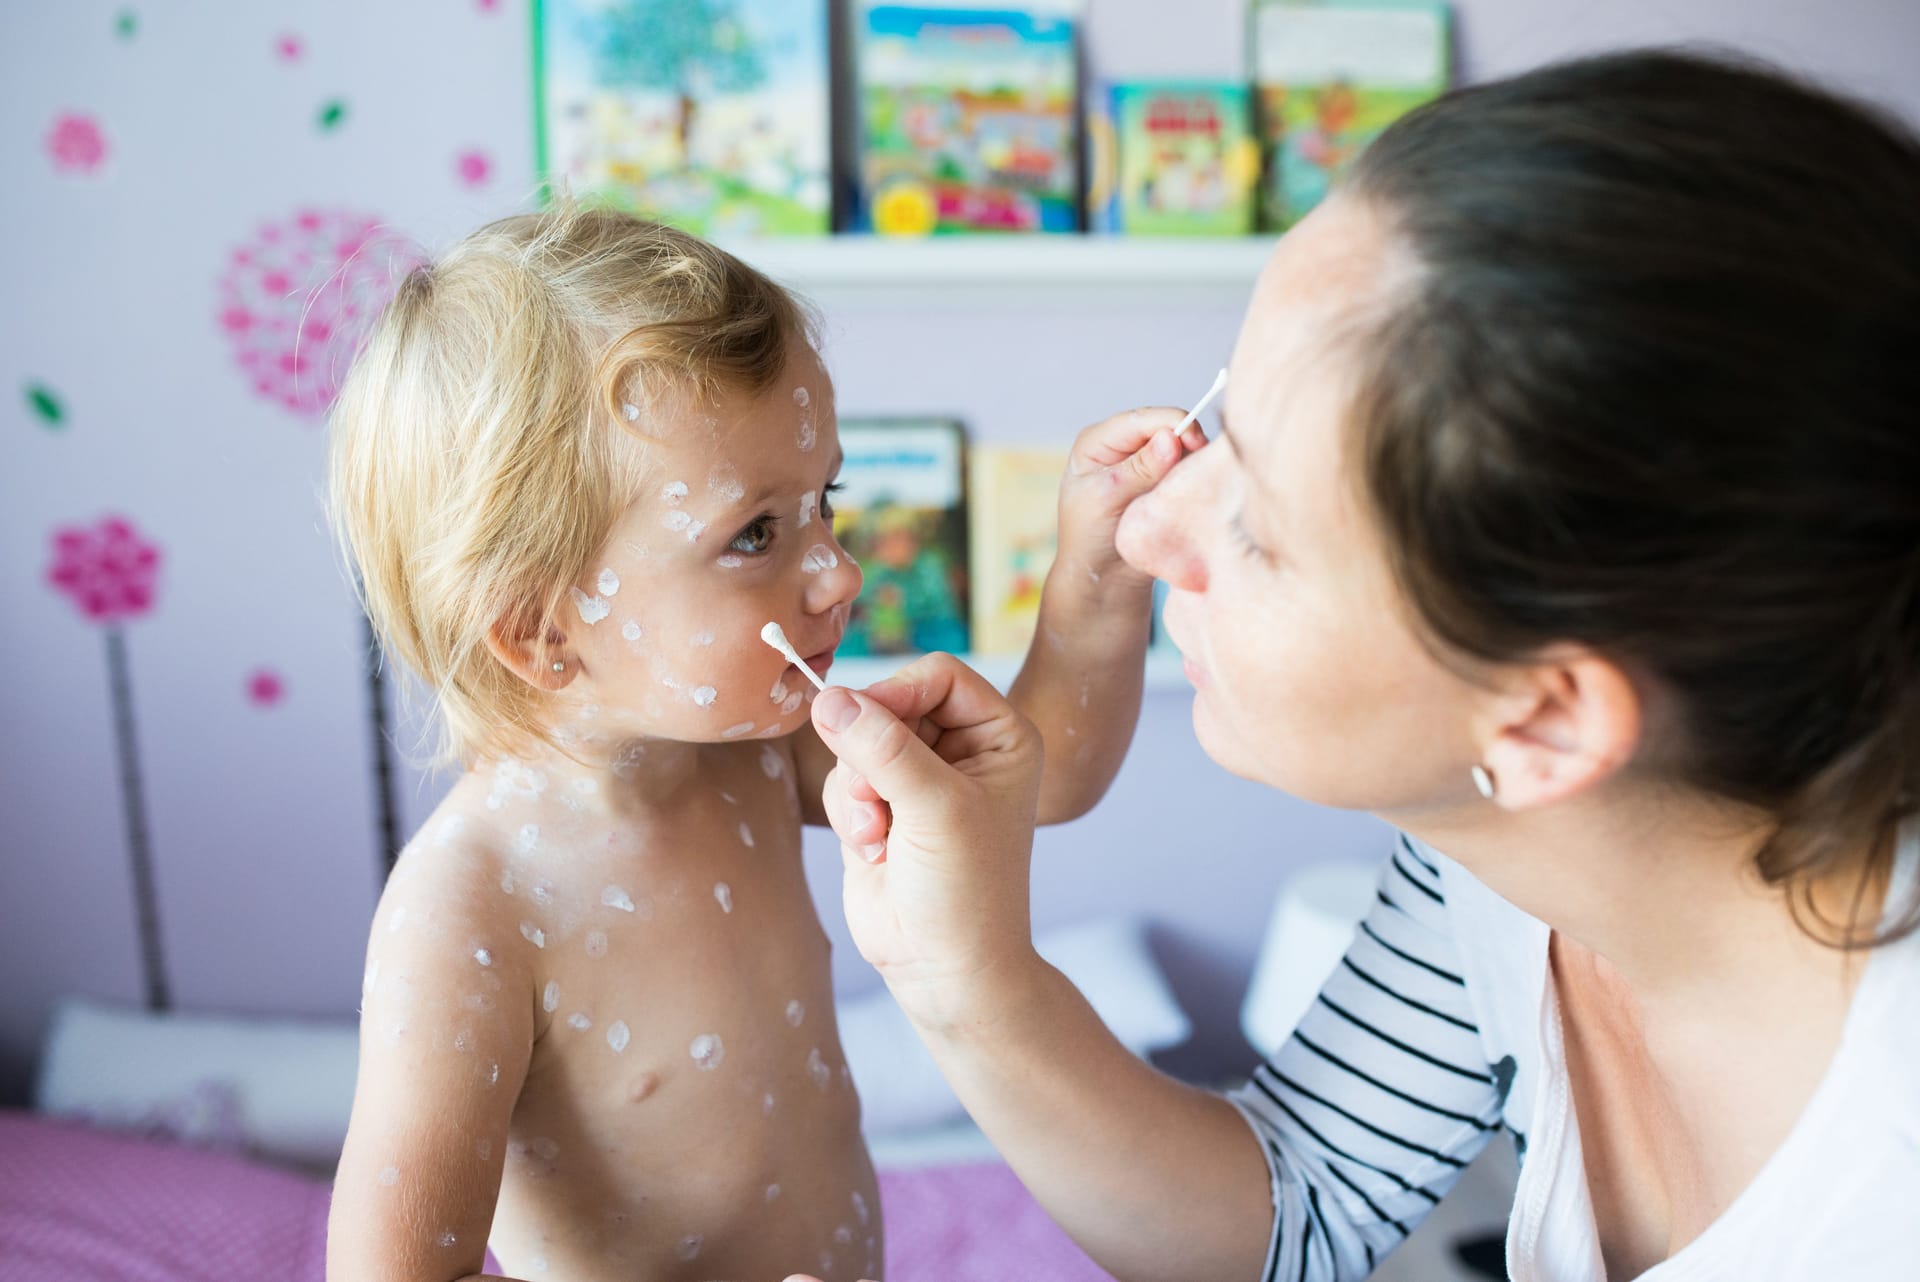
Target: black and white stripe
1382, 1095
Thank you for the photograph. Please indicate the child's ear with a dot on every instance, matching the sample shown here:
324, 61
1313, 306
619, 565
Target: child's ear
515, 639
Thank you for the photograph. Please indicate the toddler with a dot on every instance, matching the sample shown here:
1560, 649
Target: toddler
579, 464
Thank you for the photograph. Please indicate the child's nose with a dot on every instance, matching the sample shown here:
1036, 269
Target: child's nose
1155, 535
839, 583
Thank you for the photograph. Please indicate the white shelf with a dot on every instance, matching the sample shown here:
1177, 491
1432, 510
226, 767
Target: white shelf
1163, 672
899, 269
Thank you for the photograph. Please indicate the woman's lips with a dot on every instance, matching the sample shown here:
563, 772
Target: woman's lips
820, 662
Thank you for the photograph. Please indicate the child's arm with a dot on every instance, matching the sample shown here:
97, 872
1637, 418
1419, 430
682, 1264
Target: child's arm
1080, 684
443, 1053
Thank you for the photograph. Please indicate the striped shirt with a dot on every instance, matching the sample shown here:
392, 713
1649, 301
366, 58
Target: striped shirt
1439, 1027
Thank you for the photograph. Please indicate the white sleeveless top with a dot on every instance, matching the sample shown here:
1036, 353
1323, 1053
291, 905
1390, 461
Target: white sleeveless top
1440, 1026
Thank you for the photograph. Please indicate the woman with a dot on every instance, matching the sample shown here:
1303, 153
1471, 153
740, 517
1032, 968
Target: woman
1566, 514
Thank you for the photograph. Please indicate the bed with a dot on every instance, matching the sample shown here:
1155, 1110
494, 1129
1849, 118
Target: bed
82, 1204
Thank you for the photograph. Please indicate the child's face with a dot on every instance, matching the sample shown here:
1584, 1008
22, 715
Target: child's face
735, 532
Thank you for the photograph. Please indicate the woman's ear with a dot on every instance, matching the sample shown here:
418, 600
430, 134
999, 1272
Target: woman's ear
1568, 724
543, 665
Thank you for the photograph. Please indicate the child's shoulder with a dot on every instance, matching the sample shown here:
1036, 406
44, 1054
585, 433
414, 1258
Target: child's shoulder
444, 892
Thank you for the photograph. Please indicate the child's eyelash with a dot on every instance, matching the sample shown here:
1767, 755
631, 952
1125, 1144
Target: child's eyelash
757, 535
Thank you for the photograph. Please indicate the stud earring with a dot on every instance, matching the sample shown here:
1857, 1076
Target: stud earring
559, 665
1483, 780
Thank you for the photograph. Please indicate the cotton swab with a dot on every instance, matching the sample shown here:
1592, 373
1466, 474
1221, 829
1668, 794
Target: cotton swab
1193, 415
776, 636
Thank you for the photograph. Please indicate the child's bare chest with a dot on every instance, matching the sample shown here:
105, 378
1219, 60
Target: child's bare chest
687, 1098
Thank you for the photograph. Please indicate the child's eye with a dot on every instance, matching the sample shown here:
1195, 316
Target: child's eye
826, 499
757, 537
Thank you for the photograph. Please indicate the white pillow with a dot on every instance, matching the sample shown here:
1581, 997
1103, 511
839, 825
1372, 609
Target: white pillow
283, 1089
1108, 961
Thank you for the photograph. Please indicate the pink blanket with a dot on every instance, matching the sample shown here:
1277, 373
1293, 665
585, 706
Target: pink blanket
83, 1205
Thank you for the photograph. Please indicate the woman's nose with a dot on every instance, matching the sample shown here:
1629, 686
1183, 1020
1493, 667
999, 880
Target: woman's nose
1156, 532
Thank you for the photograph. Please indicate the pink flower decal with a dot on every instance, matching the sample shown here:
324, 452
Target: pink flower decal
289, 48
298, 302
265, 688
76, 143
108, 571
473, 167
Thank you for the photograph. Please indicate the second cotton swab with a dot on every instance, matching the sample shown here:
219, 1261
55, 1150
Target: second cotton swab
776, 636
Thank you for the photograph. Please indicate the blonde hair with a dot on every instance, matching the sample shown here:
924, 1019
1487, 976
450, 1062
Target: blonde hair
492, 431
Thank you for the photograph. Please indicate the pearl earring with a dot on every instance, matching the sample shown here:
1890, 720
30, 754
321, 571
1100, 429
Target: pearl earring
1483, 780
559, 665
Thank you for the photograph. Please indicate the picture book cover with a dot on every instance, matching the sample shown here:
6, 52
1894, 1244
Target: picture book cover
1013, 497
1329, 78
967, 119
901, 513
1174, 158
711, 115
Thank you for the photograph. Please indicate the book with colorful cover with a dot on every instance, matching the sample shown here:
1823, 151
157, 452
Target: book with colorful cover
711, 115
1013, 496
1173, 158
1329, 77
902, 515
967, 118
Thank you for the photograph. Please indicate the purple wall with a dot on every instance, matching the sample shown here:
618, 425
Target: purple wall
263, 824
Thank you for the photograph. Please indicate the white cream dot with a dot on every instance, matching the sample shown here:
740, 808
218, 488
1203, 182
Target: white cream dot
631, 410
723, 895
617, 897
705, 695
707, 1051
580, 1021
617, 1035
674, 491
550, 999
482, 956
630, 629
533, 934
796, 1012
734, 732
608, 583
592, 608
746, 834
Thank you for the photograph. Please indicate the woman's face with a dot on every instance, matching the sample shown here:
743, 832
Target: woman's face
1307, 675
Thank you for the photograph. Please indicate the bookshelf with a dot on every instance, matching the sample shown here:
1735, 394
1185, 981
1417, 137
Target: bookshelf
1074, 269
1163, 674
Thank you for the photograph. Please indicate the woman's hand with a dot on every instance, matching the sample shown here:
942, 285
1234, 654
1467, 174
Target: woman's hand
934, 802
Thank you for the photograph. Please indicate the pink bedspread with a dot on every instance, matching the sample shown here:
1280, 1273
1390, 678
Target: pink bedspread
82, 1205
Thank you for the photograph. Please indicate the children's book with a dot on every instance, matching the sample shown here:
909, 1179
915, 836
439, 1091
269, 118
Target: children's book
1013, 496
711, 115
1329, 77
902, 516
1173, 158
967, 118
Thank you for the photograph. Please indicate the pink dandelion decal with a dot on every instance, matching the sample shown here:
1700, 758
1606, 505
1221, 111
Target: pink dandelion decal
111, 575
473, 167
265, 688
108, 572
75, 143
289, 48
297, 302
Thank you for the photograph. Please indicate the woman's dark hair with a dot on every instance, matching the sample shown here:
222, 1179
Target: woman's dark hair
1655, 389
